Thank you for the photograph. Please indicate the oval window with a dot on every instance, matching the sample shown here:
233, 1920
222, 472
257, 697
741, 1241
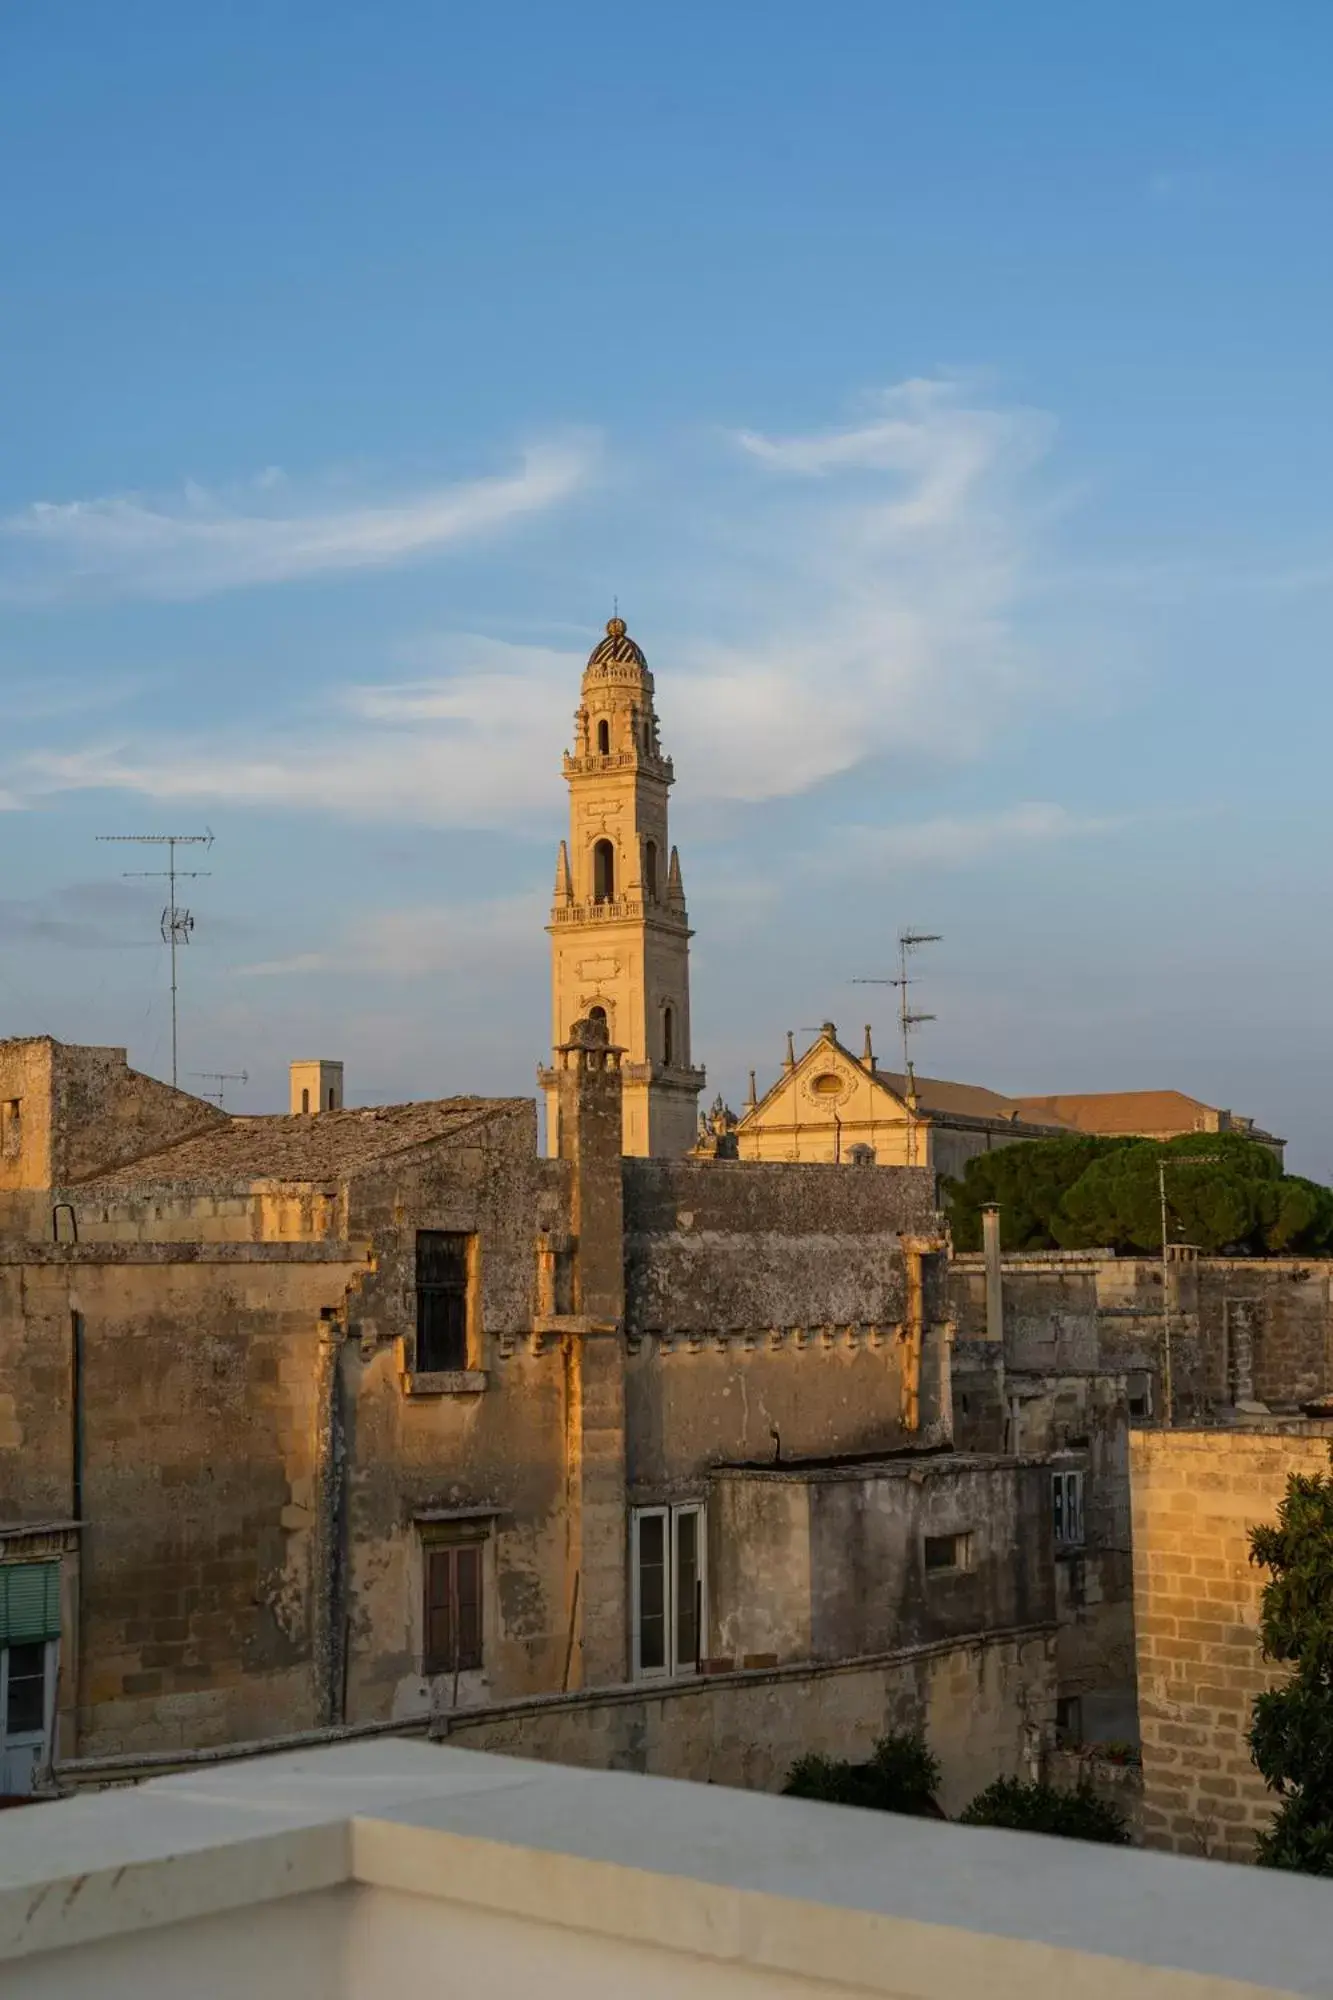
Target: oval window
827, 1085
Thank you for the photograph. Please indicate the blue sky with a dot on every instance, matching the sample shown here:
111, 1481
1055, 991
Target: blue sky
942, 390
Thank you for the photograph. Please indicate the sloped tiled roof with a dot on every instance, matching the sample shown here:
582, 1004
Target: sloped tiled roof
1114, 1111
958, 1100
324, 1148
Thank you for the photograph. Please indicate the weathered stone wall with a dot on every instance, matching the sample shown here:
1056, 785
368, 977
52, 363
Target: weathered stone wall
722, 1245
829, 1565
693, 1403
200, 1443
106, 1115
1080, 1310
1196, 1494
984, 1706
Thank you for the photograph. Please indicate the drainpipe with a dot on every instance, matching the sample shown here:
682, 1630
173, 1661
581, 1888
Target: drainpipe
76, 1467
330, 1581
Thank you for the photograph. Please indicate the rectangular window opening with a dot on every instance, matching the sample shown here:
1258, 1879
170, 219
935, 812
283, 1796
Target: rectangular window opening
669, 1559
444, 1261
453, 1621
1067, 1509
1140, 1395
11, 1127
946, 1552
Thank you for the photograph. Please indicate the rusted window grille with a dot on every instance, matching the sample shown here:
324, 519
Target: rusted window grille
442, 1288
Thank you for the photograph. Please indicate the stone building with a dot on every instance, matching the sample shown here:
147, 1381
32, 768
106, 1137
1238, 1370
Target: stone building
1197, 1493
620, 937
1064, 1352
830, 1104
379, 1418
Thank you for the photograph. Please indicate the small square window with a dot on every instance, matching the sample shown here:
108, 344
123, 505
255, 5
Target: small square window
946, 1552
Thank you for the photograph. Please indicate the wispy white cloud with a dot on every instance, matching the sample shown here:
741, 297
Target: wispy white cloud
207, 542
953, 841
494, 939
875, 611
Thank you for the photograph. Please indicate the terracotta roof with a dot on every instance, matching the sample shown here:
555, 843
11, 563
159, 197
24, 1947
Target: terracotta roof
1114, 1111
959, 1100
323, 1148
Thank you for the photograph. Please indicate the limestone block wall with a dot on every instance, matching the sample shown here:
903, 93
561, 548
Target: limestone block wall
200, 1439
1196, 1493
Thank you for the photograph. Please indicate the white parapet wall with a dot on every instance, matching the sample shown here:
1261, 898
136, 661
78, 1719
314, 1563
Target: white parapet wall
389, 1869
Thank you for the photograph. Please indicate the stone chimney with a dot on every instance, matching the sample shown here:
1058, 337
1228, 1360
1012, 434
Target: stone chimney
588, 1098
589, 1110
316, 1086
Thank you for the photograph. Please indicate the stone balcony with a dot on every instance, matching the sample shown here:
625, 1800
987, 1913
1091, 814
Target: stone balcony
383, 1867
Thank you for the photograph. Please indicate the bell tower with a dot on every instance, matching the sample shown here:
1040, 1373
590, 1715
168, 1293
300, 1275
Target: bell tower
620, 939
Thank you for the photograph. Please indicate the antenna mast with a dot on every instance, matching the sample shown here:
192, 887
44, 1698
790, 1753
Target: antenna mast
221, 1077
908, 1019
177, 923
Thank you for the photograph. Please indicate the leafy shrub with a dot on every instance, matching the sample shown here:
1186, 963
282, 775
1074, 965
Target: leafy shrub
899, 1776
1077, 1815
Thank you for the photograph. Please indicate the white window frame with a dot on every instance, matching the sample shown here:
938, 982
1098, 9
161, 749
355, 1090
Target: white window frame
1067, 1491
674, 1667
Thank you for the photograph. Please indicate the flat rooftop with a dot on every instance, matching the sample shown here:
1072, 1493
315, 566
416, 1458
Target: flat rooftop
385, 1867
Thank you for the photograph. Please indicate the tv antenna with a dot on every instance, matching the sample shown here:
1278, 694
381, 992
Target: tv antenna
221, 1077
177, 923
908, 1018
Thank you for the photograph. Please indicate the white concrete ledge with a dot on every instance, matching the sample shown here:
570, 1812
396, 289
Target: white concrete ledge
399, 1860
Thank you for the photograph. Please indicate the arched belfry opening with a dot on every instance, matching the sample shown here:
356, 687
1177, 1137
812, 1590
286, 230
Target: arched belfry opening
650, 870
604, 739
668, 1036
604, 872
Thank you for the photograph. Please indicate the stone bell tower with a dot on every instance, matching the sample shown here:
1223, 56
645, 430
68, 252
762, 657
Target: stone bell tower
620, 939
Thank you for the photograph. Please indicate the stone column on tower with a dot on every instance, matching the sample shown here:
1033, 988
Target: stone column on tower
620, 937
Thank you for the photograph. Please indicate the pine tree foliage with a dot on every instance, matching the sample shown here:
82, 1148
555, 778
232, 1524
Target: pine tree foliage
1291, 1731
1085, 1193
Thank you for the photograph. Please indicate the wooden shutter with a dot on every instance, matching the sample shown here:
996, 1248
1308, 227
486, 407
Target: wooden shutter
439, 1611
453, 1609
467, 1572
29, 1602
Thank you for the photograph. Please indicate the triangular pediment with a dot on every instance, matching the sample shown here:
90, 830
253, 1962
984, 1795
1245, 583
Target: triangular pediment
828, 1084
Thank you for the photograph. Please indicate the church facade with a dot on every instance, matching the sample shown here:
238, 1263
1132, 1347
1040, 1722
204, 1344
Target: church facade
620, 950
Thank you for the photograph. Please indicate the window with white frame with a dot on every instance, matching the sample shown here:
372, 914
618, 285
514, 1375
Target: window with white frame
669, 1589
1067, 1509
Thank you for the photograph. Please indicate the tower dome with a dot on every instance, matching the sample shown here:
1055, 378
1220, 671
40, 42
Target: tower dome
617, 649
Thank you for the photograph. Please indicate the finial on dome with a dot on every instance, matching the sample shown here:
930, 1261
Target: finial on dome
616, 628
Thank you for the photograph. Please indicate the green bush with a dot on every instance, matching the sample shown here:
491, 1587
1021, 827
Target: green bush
899, 1776
1077, 1815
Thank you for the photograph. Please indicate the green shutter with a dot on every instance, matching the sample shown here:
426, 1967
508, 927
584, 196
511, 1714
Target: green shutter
29, 1602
